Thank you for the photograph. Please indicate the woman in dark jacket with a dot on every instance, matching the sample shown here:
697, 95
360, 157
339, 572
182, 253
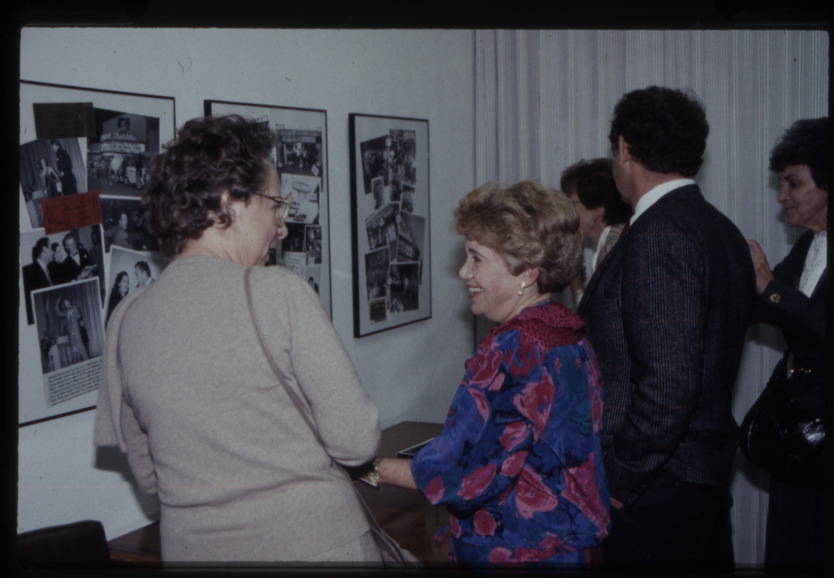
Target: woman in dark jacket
792, 298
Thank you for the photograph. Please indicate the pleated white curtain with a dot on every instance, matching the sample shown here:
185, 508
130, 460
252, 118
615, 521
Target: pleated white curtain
544, 101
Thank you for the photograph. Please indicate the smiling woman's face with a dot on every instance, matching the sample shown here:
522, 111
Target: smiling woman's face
493, 290
805, 204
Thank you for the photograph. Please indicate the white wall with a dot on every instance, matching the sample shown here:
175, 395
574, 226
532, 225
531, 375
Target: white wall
411, 372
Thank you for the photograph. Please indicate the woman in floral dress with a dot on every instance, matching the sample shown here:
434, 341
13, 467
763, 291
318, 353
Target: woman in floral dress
518, 464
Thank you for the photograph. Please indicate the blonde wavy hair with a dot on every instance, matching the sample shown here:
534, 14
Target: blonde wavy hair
529, 225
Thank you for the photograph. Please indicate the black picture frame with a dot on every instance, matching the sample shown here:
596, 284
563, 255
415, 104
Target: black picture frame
390, 218
300, 157
58, 372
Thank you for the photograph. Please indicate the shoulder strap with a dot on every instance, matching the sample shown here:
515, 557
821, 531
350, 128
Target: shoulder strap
275, 369
388, 544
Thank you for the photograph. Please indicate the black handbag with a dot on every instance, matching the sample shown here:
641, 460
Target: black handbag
783, 433
393, 555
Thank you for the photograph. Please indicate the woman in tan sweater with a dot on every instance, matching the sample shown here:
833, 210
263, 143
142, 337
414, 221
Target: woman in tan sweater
188, 394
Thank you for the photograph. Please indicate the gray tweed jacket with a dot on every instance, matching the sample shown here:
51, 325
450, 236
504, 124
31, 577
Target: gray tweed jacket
667, 311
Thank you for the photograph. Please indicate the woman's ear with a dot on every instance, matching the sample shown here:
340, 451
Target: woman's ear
227, 205
530, 276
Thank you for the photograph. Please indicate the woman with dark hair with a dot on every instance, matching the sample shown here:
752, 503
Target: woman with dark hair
792, 297
518, 464
204, 408
120, 289
603, 213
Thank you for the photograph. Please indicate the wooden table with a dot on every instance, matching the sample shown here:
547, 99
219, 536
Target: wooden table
406, 515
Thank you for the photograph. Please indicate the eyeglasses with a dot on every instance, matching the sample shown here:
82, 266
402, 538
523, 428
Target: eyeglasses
284, 207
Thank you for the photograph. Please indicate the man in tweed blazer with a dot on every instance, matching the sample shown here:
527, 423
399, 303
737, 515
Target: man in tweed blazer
666, 312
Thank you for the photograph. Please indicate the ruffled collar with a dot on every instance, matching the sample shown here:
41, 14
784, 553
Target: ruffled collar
551, 324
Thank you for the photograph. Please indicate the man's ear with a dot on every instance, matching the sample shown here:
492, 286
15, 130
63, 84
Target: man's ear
624, 151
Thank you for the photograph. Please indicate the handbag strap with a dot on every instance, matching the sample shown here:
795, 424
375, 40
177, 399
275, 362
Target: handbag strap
282, 378
295, 399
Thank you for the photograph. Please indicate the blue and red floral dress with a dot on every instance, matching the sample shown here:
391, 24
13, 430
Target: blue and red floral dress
519, 461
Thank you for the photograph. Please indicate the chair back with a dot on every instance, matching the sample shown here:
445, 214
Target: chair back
77, 545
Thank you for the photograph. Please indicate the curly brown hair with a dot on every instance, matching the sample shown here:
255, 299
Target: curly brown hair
529, 225
208, 157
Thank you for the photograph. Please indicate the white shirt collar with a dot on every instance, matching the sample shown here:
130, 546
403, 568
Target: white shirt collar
602, 237
815, 263
654, 195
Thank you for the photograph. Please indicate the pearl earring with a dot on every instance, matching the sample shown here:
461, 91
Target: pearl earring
521, 291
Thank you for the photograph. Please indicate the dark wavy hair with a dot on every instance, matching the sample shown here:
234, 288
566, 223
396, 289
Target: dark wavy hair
119, 276
42, 243
529, 225
593, 182
208, 157
666, 129
806, 142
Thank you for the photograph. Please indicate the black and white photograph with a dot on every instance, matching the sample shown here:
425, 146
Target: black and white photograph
299, 151
58, 258
69, 178
378, 310
312, 244
411, 232
376, 272
375, 154
130, 270
305, 191
300, 157
294, 241
68, 320
118, 157
125, 225
381, 226
378, 191
389, 159
402, 168
403, 288
50, 168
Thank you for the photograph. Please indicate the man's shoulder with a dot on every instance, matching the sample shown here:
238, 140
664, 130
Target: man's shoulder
679, 200
31, 270
687, 207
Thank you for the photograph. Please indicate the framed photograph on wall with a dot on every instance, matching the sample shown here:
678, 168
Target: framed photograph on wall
82, 151
390, 202
300, 157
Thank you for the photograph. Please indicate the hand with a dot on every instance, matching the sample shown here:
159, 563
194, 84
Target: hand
763, 273
616, 504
